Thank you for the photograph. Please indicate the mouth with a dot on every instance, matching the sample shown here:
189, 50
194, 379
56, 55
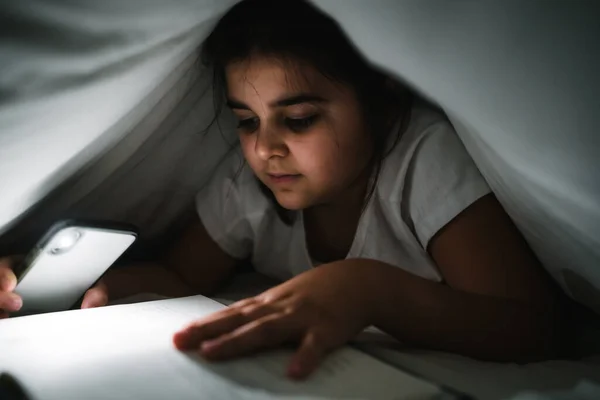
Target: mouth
283, 178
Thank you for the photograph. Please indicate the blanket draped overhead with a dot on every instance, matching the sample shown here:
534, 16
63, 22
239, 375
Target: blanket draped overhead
104, 110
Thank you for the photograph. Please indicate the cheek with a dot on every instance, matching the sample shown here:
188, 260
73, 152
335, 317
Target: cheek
248, 144
335, 158
322, 157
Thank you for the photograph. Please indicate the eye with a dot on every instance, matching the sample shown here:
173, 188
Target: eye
301, 124
249, 124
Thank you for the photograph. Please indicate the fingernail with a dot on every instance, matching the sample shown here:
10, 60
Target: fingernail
209, 345
181, 340
179, 335
16, 303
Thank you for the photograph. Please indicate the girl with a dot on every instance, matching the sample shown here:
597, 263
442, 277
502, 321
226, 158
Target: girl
365, 204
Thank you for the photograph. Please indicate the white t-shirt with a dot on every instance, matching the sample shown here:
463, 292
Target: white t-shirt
426, 181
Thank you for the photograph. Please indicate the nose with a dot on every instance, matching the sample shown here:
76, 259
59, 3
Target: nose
270, 144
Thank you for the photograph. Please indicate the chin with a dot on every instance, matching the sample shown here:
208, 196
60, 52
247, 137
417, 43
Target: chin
292, 203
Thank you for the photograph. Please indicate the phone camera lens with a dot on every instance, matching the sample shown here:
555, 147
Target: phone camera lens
65, 241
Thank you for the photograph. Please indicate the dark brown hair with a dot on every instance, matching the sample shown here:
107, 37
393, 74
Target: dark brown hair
296, 31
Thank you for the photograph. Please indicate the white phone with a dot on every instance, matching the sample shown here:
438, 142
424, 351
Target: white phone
67, 261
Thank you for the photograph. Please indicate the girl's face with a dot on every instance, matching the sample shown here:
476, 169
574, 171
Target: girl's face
303, 135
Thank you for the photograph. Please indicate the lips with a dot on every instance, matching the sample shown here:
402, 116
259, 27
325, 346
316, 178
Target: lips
283, 178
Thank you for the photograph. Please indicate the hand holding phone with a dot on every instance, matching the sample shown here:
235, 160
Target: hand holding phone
9, 301
97, 296
68, 260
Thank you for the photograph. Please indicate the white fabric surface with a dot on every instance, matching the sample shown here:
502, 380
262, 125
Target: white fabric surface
518, 80
107, 92
426, 180
584, 390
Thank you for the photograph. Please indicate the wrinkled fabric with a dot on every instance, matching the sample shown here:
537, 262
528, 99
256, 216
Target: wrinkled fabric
518, 80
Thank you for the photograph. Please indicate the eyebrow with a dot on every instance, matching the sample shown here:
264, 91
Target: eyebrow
283, 102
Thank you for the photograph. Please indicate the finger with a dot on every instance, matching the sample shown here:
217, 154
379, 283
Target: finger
8, 280
314, 347
3, 314
10, 302
206, 328
218, 324
94, 297
6, 262
267, 332
243, 303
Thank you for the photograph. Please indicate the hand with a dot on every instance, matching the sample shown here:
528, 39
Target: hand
321, 309
97, 296
9, 301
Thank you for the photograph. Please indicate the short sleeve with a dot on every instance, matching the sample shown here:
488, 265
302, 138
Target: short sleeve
444, 181
221, 210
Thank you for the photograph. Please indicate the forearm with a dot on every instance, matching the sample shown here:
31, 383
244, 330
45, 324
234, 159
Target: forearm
145, 278
433, 315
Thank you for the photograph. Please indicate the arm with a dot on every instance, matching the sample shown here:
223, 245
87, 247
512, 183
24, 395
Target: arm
194, 265
498, 303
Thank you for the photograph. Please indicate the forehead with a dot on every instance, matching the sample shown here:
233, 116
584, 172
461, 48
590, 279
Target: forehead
270, 78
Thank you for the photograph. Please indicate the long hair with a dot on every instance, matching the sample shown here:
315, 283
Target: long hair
297, 32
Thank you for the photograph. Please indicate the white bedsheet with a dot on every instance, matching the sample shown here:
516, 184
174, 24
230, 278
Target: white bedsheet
493, 381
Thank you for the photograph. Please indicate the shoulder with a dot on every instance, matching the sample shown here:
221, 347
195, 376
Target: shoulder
231, 205
427, 140
233, 169
426, 127
429, 176
435, 148
426, 119
233, 187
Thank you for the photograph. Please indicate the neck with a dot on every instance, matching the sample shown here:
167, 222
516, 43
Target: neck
330, 228
349, 202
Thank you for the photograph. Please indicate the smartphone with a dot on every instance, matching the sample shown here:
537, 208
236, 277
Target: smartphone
68, 260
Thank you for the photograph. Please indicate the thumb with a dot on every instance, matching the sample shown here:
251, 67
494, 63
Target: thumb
95, 297
314, 347
8, 280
